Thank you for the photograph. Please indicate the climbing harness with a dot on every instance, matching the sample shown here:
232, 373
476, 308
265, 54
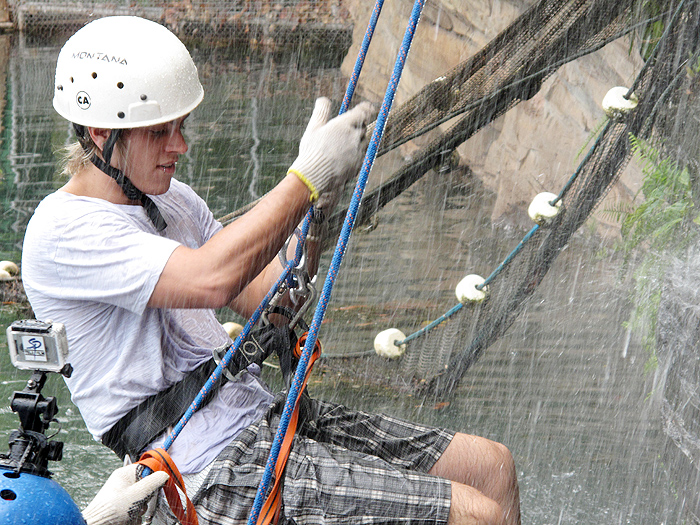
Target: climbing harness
150, 419
252, 321
217, 375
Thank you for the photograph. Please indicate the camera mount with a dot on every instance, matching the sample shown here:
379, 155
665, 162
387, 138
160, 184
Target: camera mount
43, 347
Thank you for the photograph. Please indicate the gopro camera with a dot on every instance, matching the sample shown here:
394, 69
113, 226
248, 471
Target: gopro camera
38, 345
41, 347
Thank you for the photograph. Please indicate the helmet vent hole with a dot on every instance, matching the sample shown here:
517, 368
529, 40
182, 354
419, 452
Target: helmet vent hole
120, 85
60, 88
94, 75
13, 475
120, 114
71, 80
8, 495
143, 97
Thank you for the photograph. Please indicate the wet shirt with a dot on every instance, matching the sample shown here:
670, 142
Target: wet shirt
92, 265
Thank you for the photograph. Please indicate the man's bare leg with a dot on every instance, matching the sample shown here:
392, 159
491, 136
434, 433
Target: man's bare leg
486, 466
468, 506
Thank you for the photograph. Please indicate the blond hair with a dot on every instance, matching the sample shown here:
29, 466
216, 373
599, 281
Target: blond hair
77, 155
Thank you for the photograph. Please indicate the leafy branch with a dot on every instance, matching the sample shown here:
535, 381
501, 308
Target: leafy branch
664, 223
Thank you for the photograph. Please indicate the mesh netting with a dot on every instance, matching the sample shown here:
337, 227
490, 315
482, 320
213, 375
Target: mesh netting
660, 87
511, 69
216, 22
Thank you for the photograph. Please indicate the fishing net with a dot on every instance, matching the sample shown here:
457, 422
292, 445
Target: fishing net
510, 70
216, 22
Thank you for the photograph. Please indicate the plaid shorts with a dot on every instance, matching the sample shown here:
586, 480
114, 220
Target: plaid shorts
345, 467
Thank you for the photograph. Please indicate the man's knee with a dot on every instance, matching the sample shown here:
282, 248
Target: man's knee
500, 473
476, 457
469, 506
503, 460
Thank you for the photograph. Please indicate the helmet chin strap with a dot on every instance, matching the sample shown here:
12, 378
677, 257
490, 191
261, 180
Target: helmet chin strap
131, 191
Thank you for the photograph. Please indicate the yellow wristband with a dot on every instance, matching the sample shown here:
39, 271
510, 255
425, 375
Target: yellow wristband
307, 182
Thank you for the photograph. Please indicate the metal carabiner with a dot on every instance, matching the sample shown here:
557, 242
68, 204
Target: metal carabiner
311, 294
301, 285
298, 283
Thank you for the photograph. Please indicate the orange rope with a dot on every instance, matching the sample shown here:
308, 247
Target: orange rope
159, 460
269, 513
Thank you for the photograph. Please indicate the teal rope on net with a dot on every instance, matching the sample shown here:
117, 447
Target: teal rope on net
558, 198
511, 256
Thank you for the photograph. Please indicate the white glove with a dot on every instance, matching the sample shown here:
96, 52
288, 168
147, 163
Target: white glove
331, 151
122, 499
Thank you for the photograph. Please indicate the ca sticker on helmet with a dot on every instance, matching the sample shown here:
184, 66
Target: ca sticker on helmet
83, 100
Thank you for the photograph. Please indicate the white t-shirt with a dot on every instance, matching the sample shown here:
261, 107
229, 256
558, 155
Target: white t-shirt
92, 265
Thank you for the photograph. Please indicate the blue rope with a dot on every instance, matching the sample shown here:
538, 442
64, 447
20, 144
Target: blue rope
312, 335
361, 56
218, 371
286, 273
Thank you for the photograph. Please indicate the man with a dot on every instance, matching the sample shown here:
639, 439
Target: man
132, 262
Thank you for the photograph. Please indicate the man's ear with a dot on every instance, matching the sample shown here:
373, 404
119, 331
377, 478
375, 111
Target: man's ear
99, 136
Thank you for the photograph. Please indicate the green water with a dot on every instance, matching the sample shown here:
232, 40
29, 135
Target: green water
565, 389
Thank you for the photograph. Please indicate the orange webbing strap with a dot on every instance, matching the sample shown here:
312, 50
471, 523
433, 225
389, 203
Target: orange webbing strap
269, 513
158, 459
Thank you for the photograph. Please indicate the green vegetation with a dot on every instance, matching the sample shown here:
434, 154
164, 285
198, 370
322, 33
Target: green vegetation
655, 230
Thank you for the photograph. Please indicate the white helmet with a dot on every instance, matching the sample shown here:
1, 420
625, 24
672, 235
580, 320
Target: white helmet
125, 72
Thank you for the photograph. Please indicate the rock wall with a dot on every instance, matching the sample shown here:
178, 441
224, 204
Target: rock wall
534, 147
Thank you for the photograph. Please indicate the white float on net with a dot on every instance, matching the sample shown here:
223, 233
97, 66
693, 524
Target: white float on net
467, 291
385, 343
9, 267
541, 211
616, 104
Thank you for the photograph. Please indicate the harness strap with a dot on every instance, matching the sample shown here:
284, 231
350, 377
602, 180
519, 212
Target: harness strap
132, 192
148, 420
159, 460
270, 511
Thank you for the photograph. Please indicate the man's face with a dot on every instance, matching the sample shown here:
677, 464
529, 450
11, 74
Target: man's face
148, 155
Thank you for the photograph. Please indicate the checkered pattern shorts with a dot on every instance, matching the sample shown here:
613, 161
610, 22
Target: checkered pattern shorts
345, 467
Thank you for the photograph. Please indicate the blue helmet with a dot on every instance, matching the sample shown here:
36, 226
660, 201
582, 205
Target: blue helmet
27, 499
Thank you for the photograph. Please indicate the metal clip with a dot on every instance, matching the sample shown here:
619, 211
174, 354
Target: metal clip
300, 276
311, 294
301, 286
